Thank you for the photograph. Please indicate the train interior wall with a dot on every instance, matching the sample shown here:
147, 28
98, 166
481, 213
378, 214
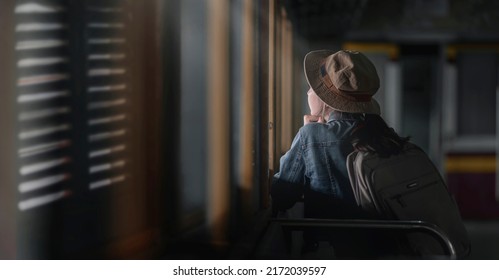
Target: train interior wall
165, 120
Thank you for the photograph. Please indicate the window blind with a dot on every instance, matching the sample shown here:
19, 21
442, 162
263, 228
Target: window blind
107, 92
43, 99
74, 107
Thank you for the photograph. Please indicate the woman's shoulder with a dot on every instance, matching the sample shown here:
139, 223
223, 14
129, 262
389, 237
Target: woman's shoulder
312, 128
314, 132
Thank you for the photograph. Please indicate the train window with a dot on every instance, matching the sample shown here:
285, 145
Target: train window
193, 112
477, 93
281, 85
219, 190
205, 117
467, 91
285, 90
243, 105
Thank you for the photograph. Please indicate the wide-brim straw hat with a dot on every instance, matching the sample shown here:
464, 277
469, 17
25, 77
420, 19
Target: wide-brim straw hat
345, 80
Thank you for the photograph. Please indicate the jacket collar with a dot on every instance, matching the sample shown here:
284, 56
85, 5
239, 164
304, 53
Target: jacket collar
336, 115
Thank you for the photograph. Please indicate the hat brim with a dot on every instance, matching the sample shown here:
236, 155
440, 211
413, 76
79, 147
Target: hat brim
312, 63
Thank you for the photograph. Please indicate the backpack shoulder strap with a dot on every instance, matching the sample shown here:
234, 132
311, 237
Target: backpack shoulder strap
352, 173
359, 176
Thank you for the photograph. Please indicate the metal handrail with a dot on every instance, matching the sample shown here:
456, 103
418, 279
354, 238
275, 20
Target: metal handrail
422, 226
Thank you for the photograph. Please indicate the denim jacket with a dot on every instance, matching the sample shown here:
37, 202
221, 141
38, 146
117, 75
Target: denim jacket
315, 167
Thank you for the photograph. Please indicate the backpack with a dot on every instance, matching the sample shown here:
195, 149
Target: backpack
408, 186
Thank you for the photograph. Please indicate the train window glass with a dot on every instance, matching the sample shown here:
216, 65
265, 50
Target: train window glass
242, 102
219, 154
466, 92
193, 100
283, 104
286, 83
247, 104
476, 92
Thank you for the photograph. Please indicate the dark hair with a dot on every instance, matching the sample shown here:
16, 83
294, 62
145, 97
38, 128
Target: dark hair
372, 134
